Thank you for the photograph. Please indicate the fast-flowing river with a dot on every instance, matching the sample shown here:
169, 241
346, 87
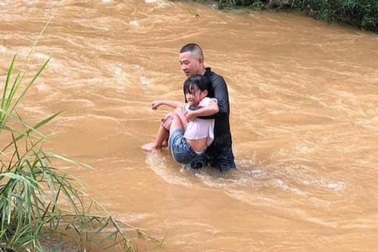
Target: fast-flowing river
304, 120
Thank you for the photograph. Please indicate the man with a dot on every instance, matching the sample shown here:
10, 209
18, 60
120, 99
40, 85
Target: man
219, 153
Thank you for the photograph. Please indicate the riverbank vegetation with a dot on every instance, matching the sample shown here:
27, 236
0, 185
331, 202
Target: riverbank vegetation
41, 208
359, 13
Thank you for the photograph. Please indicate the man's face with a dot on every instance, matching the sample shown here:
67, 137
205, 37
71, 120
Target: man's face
191, 65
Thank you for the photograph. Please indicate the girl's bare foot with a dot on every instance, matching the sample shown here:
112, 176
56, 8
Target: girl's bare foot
164, 144
150, 147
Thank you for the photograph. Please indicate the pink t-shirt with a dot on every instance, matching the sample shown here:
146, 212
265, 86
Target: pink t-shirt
201, 128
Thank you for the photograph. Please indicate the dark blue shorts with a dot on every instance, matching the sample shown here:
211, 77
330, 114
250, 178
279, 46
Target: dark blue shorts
180, 149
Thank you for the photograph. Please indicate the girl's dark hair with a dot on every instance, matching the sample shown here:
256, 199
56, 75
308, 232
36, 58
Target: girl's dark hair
195, 82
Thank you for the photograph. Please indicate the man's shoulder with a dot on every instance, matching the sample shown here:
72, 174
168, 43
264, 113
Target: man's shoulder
210, 72
213, 75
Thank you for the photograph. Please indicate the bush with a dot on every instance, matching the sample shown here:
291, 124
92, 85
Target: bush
360, 13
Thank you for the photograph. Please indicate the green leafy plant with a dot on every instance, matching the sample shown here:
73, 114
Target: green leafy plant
38, 202
359, 13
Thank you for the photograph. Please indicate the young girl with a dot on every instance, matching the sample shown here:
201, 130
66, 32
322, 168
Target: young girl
189, 136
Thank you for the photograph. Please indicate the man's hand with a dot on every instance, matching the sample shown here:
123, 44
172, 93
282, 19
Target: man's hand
191, 115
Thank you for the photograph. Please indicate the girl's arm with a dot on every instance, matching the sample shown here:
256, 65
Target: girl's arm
169, 103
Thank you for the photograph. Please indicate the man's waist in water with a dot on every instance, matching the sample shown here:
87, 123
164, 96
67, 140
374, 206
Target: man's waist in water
222, 140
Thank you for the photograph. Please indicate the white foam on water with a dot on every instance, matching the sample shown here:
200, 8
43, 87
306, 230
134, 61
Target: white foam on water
323, 183
285, 187
160, 3
41, 56
31, 2
145, 81
41, 86
336, 186
134, 23
120, 75
3, 49
137, 217
158, 164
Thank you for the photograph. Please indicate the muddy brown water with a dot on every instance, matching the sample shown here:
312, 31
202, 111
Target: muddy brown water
304, 120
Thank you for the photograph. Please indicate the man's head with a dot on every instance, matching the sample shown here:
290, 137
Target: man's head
192, 60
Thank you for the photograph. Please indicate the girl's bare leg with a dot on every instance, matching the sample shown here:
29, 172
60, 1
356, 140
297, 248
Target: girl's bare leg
161, 137
165, 128
176, 124
179, 112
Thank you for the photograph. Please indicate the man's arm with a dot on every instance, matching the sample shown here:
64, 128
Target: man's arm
209, 109
221, 94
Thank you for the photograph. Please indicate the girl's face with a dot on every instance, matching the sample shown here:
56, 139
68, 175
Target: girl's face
195, 96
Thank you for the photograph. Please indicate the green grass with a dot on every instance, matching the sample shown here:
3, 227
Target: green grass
38, 202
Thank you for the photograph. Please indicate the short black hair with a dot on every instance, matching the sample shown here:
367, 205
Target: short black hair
193, 48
